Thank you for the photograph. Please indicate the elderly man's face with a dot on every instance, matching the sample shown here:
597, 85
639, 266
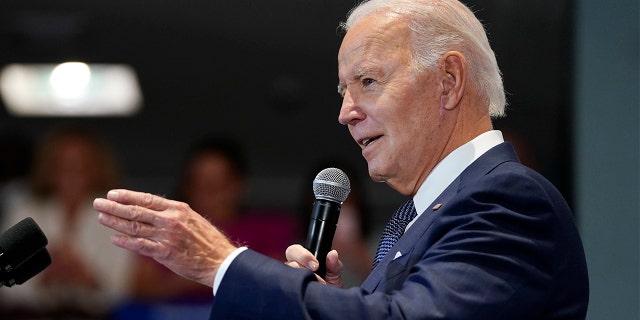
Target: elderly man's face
392, 112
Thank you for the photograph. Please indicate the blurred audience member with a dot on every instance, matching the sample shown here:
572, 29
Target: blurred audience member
88, 275
213, 182
352, 234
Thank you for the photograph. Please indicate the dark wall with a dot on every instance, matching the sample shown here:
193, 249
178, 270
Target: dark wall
265, 73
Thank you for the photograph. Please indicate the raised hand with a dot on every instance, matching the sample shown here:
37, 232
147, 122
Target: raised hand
166, 230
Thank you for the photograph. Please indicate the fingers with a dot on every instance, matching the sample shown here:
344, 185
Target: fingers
134, 206
294, 264
132, 228
334, 269
299, 257
146, 229
334, 265
142, 199
138, 215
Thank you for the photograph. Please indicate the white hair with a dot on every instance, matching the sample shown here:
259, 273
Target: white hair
439, 26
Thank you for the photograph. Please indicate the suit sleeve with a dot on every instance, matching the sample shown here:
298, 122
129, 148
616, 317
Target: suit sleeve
258, 287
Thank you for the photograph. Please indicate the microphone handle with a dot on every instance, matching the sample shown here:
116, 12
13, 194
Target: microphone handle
322, 228
27, 270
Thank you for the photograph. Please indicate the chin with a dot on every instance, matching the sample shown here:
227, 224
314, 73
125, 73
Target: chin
394, 184
376, 175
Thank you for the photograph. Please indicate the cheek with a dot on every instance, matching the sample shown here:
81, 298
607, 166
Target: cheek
417, 132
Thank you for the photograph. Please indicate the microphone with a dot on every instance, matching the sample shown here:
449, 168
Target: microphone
330, 187
19, 243
34, 265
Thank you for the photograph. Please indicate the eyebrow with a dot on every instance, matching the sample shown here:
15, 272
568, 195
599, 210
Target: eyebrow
361, 69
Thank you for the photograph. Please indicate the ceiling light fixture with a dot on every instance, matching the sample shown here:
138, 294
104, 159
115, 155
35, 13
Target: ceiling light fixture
70, 89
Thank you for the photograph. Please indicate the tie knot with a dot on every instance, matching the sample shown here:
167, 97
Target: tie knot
407, 211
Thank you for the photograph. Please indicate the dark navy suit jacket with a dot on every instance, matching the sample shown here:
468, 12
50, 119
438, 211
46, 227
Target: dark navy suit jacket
499, 243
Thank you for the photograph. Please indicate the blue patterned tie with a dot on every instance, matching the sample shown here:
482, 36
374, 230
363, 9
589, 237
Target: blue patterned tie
394, 229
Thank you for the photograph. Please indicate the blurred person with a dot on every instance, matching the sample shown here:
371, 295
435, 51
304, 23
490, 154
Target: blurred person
213, 182
481, 236
87, 277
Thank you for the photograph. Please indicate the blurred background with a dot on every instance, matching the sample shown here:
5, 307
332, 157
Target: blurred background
263, 74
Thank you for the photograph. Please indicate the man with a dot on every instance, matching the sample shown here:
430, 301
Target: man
491, 238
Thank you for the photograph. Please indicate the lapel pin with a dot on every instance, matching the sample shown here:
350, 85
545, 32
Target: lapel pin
436, 207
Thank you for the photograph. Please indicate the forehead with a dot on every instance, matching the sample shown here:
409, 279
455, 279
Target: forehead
377, 36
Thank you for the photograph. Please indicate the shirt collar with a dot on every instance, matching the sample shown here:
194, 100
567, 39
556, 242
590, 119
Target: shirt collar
452, 166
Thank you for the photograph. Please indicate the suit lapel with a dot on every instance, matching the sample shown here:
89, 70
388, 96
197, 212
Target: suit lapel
499, 154
406, 243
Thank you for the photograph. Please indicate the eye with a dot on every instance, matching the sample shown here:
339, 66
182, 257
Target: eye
341, 90
367, 82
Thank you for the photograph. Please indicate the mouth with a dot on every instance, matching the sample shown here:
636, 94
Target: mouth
367, 141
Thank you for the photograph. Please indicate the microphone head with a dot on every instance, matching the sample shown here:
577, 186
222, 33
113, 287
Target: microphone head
331, 184
19, 243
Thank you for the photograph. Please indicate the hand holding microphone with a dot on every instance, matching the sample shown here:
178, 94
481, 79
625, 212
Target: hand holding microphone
331, 188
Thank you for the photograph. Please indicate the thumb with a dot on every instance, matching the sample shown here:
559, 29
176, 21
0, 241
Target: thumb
334, 269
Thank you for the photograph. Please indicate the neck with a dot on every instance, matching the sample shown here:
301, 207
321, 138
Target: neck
466, 123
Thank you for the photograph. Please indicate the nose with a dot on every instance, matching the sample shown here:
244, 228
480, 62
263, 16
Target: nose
350, 113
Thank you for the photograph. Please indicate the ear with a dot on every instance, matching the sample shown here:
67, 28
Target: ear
454, 79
